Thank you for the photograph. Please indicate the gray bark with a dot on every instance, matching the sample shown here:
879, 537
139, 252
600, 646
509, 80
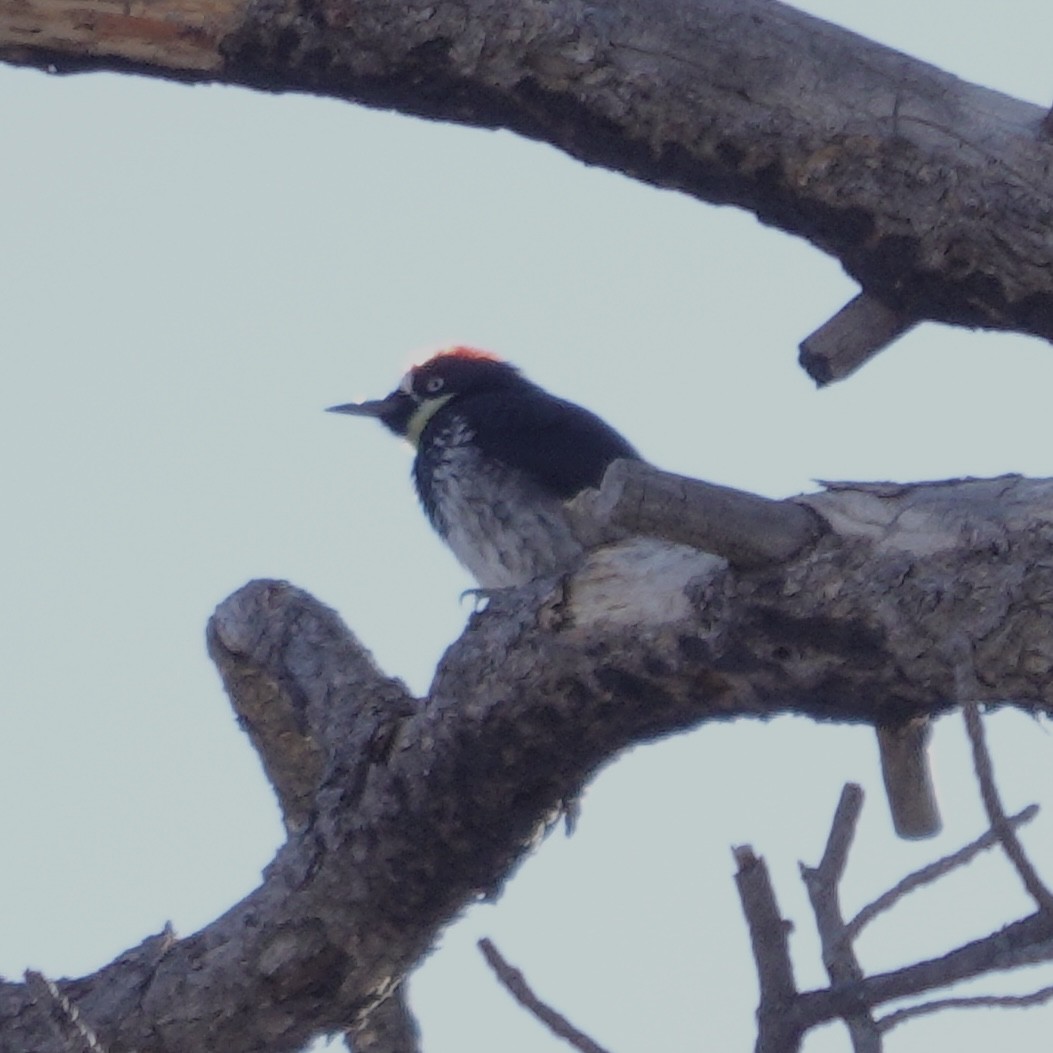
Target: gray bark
415, 808
892, 166
401, 811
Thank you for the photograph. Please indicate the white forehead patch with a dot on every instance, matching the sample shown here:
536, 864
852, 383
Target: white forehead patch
406, 383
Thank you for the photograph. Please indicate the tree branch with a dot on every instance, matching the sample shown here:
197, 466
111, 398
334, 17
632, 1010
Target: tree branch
515, 983
785, 1015
907, 776
1023, 942
853, 146
822, 883
932, 872
861, 329
746, 529
400, 812
1000, 824
778, 1030
1039, 997
304, 690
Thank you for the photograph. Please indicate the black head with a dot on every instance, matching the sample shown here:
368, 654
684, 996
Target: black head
429, 386
459, 371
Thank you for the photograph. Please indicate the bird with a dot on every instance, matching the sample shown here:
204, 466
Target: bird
497, 460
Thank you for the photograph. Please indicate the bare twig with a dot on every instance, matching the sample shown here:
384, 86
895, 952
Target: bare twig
842, 832
768, 929
1039, 997
63, 1014
1023, 942
517, 986
1000, 825
932, 872
862, 328
822, 883
778, 1030
786, 1014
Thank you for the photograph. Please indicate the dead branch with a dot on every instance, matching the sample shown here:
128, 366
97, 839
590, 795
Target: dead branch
1023, 942
852, 997
515, 983
933, 872
1000, 825
860, 330
1039, 997
823, 885
907, 777
777, 1029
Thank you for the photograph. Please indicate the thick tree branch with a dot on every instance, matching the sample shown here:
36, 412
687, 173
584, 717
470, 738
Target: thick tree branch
70, 1029
402, 812
882, 161
304, 690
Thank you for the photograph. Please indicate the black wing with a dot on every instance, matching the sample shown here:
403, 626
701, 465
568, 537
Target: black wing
563, 447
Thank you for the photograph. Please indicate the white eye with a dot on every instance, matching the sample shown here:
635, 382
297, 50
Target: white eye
433, 384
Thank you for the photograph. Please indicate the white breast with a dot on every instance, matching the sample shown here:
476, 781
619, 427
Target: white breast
497, 522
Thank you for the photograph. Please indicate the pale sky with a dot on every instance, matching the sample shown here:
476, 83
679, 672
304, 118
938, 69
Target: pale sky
191, 274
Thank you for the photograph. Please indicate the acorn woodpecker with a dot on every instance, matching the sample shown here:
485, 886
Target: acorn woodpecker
497, 458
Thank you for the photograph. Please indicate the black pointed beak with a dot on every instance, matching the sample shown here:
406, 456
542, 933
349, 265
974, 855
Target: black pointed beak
393, 412
373, 408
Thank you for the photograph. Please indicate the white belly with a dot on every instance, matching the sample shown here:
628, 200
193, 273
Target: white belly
501, 526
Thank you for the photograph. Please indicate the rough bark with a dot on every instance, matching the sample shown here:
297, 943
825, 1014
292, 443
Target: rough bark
890, 165
402, 811
411, 809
